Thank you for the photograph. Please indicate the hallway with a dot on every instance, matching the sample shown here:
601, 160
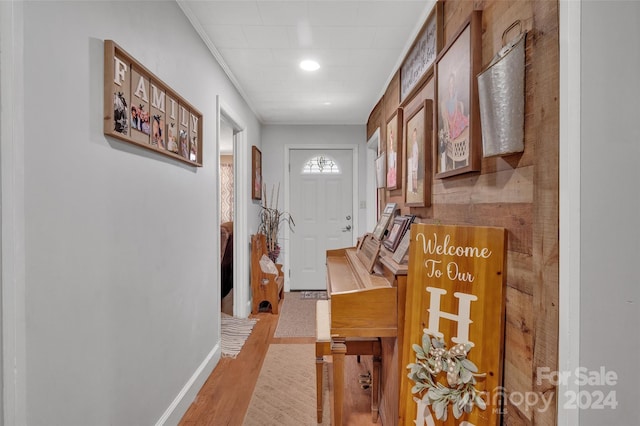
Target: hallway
214, 405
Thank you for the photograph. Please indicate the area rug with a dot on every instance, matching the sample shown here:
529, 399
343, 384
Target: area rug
321, 295
234, 332
285, 393
297, 317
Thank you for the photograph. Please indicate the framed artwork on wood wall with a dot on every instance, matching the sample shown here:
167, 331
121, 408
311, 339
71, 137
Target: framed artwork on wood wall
459, 141
381, 171
418, 135
394, 150
418, 62
256, 173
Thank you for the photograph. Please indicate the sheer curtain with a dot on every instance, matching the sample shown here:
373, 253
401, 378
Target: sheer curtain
226, 192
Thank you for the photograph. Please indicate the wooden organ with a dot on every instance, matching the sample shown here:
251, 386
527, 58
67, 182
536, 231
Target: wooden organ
367, 291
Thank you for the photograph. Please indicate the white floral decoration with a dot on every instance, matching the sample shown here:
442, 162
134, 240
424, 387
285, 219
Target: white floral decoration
433, 359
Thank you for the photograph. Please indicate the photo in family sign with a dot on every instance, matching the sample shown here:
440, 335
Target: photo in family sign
193, 151
157, 131
172, 136
120, 113
184, 143
140, 119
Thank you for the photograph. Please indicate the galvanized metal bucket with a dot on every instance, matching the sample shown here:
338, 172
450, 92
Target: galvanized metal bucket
501, 96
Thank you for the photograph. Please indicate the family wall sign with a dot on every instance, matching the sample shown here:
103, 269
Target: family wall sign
140, 109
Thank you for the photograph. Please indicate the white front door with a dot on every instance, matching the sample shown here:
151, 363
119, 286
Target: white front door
321, 203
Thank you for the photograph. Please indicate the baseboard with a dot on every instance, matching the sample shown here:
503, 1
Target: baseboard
188, 393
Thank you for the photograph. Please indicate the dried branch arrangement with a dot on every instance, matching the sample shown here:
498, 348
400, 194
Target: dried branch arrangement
270, 220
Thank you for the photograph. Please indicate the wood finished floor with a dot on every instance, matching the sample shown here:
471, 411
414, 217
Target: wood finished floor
225, 396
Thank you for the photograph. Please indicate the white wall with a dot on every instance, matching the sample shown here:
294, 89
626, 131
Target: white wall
276, 137
121, 254
610, 206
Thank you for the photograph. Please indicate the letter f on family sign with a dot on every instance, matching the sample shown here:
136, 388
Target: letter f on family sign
463, 318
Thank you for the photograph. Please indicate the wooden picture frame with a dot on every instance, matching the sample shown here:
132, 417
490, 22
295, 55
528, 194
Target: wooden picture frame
459, 142
394, 150
390, 208
398, 228
381, 171
368, 251
385, 219
422, 54
418, 136
256, 173
403, 248
382, 225
142, 110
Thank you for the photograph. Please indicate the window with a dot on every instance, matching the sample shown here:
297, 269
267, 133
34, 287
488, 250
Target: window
321, 164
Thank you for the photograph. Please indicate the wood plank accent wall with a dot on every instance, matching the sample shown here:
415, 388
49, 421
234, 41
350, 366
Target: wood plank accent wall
519, 192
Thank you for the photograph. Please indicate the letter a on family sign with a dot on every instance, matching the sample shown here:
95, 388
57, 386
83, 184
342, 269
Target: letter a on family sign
455, 298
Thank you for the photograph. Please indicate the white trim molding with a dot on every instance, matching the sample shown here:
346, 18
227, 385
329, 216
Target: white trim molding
569, 292
188, 392
13, 256
373, 147
241, 255
195, 23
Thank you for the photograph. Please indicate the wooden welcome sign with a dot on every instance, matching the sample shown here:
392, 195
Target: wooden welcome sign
454, 326
139, 108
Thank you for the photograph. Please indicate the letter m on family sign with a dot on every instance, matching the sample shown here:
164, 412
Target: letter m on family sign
456, 292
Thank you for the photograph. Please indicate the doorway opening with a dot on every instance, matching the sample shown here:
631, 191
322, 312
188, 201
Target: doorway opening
372, 187
231, 141
226, 209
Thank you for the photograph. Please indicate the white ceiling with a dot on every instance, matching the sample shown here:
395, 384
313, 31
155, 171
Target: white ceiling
359, 45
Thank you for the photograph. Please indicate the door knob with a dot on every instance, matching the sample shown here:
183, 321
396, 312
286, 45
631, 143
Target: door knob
347, 228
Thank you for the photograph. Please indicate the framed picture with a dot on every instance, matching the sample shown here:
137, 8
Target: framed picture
419, 132
381, 171
256, 173
368, 252
383, 222
417, 65
394, 150
403, 248
390, 208
459, 141
142, 110
398, 228
382, 225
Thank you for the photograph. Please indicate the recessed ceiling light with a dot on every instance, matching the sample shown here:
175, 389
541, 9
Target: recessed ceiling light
326, 103
309, 65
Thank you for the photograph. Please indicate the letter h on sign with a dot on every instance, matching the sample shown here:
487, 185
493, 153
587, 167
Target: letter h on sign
463, 318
